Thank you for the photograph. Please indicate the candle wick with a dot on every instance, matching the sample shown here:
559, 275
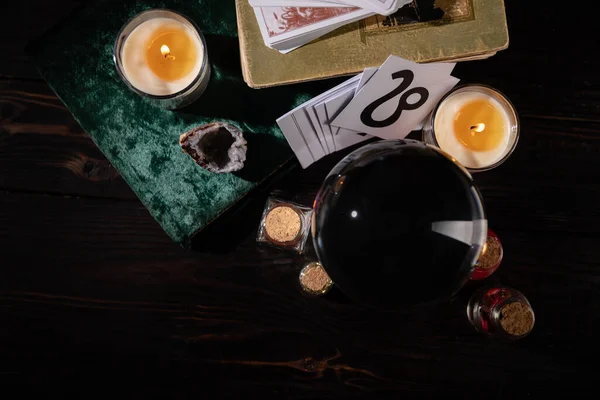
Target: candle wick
477, 128
166, 52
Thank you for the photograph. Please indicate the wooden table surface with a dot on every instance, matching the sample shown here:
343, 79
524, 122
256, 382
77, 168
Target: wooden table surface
92, 292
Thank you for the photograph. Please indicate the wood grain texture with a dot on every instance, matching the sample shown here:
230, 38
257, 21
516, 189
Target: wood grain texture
96, 300
43, 149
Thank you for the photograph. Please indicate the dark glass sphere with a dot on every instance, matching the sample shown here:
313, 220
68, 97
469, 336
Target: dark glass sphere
398, 223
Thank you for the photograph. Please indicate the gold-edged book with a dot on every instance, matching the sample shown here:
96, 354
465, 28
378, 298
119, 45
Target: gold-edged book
423, 31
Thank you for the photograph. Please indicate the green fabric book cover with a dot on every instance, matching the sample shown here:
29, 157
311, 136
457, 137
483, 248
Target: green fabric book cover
142, 141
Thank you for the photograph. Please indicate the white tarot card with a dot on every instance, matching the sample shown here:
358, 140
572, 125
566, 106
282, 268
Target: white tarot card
397, 98
312, 114
294, 137
299, 130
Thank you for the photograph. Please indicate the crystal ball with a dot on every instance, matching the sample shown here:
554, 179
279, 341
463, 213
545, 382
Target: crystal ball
398, 222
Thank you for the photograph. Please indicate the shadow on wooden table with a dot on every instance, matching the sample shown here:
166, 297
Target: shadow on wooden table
233, 226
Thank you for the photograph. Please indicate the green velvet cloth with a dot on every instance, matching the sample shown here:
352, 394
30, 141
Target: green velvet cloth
140, 140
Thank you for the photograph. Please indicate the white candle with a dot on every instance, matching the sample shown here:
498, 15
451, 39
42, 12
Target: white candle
161, 53
476, 125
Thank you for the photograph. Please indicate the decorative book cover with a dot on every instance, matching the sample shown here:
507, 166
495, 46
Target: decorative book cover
142, 141
424, 31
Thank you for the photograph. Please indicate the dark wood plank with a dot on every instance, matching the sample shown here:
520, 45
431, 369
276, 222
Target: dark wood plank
114, 290
43, 149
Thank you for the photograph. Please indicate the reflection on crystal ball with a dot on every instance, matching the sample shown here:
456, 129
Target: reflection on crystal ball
398, 223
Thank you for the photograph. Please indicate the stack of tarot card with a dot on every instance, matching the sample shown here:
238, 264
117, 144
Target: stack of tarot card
288, 24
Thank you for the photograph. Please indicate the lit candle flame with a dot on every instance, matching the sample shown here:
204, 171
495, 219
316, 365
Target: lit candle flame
166, 52
477, 128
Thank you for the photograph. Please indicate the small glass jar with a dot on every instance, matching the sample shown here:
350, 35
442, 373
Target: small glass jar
314, 279
137, 74
285, 225
448, 109
486, 267
501, 312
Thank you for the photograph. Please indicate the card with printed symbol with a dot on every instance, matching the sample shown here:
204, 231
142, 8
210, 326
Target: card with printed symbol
397, 98
387, 102
366, 76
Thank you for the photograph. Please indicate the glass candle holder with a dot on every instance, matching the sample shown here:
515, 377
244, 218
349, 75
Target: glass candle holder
476, 125
501, 312
162, 56
490, 257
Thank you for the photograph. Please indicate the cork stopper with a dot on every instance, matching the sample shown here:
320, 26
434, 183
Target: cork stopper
516, 319
491, 254
283, 224
314, 279
490, 258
